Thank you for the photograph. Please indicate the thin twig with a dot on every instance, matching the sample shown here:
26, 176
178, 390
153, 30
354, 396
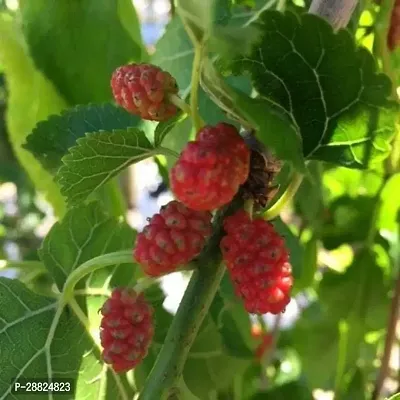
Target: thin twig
390, 338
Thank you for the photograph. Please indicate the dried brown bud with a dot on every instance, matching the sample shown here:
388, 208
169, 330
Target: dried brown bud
263, 169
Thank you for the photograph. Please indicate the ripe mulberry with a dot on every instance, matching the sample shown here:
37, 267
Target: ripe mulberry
126, 329
258, 263
142, 89
173, 237
210, 169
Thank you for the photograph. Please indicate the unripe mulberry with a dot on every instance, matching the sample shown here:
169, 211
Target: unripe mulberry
258, 263
142, 89
211, 168
126, 329
173, 237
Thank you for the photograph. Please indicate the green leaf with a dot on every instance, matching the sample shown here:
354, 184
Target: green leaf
238, 314
205, 375
229, 42
284, 140
390, 205
294, 246
165, 127
359, 295
223, 314
197, 17
293, 390
51, 139
208, 366
81, 61
355, 387
156, 297
309, 199
97, 158
131, 22
339, 181
259, 113
315, 338
86, 232
38, 341
31, 98
348, 220
310, 265
174, 53
339, 104
395, 397
162, 168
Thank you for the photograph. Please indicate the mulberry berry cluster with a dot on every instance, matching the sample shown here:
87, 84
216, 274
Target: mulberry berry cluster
207, 175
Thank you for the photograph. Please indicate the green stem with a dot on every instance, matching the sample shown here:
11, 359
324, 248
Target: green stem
167, 370
281, 5
369, 241
37, 265
249, 207
105, 260
111, 196
144, 283
195, 83
289, 193
342, 354
262, 323
31, 275
93, 292
180, 103
167, 152
79, 314
193, 308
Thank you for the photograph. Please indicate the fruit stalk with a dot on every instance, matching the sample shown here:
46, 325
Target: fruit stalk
289, 193
194, 105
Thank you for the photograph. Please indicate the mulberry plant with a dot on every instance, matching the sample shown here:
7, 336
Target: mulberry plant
276, 134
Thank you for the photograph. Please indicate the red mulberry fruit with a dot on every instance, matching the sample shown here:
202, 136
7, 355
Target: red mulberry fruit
211, 168
173, 237
142, 89
126, 329
258, 263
